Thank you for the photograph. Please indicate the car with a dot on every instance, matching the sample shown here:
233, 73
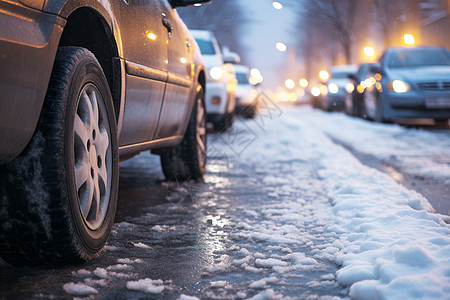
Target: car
411, 82
338, 87
246, 93
85, 84
354, 101
220, 96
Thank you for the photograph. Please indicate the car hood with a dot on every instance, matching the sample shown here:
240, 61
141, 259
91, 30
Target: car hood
426, 74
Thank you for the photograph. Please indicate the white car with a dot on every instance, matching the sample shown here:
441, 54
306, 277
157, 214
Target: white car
246, 93
221, 82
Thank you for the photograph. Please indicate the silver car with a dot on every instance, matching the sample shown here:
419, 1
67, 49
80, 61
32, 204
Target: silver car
84, 84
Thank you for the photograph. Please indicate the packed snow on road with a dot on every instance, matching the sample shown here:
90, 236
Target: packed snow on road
313, 204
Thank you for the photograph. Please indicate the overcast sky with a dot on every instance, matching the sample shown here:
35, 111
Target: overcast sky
268, 26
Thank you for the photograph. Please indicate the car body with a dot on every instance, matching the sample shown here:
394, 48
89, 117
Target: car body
246, 93
84, 84
411, 82
338, 86
221, 81
354, 101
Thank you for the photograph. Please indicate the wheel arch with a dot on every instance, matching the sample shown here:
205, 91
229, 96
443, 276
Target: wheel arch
87, 28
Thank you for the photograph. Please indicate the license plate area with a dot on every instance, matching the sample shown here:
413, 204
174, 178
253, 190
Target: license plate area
438, 103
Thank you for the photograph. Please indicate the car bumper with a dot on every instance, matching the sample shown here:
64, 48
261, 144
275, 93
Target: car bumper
216, 98
27, 51
417, 105
336, 101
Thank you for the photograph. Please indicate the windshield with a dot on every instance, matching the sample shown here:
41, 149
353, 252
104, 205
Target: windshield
206, 47
242, 78
419, 58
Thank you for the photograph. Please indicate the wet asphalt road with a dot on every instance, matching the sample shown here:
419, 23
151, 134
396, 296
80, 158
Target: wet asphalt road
189, 236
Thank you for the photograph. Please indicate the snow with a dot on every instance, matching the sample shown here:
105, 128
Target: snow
147, 285
79, 289
389, 245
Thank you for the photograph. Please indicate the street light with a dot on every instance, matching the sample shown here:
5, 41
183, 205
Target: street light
281, 47
303, 82
277, 5
409, 39
369, 51
324, 75
289, 83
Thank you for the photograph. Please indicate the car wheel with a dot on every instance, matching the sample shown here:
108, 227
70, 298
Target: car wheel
379, 111
59, 196
188, 159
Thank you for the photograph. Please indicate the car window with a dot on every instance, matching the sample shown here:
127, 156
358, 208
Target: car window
206, 47
340, 75
419, 58
242, 78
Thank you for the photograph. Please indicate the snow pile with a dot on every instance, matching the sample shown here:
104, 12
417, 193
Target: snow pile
391, 244
147, 285
417, 152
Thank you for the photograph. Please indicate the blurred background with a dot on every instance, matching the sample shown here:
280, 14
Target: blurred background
290, 42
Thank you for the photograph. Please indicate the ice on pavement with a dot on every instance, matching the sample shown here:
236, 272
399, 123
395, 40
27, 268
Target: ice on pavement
385, 239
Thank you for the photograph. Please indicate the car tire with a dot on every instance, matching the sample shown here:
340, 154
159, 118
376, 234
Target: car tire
58, 198
379, 111
188, 160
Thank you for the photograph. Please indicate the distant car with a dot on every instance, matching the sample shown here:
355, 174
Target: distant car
354, 101
246, 93
85, 84
411, 82
338, 87
220, 96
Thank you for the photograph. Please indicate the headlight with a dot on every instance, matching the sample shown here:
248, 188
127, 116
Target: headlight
333, 88
400, 86
216, 73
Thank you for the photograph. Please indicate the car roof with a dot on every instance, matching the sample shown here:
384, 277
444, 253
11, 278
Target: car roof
202, 34
343, 68
241, 68
402, 49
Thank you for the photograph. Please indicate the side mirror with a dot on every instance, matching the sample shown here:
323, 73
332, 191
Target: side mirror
182, 3
231, 58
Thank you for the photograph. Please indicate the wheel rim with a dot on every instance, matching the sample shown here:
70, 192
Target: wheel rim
201, 130
93, 157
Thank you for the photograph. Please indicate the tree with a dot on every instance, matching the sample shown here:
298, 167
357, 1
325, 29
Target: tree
224, 18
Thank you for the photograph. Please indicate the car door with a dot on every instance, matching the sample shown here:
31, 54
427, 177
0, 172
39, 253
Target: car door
145, 53
174, 113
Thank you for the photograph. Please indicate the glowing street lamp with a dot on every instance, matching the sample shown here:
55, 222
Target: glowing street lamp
277, 5
324, 75
281, 47
409, 39
303, 83
289, 83
369, 51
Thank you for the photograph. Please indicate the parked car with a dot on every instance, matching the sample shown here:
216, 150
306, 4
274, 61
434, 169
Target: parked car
85, 84
246, 93
338, 87
412, 82
354, 101
220, 96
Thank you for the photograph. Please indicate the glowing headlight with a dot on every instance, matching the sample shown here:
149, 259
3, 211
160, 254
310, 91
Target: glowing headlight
216, 73
333, 88
400, 86
349, 87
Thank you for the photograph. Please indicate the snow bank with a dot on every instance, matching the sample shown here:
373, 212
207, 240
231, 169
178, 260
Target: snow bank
391, 245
